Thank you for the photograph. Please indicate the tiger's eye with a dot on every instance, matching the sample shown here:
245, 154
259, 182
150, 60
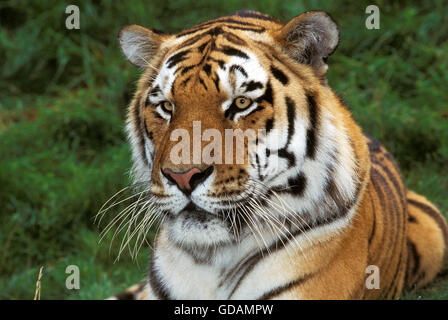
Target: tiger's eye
242, 102
167, 106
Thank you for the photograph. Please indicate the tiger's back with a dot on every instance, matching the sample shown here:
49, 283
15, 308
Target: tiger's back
409, 236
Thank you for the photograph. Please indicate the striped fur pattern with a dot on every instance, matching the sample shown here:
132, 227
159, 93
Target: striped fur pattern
304, 228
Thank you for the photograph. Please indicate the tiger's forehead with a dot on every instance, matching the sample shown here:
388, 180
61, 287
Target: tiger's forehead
218, 62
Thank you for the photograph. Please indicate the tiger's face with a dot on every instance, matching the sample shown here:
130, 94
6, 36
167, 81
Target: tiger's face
234, 129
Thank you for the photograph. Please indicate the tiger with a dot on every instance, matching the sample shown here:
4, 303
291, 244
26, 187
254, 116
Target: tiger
312, 214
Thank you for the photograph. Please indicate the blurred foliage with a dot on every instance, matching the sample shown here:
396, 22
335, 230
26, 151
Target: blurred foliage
63, 102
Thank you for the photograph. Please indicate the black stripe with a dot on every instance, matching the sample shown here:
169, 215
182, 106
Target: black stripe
257, 30
218, 61
279, 75
239, 68
216, 82
232, 52
373, 144
372, 233
267, 96
194, 40
279, 290
412, 249
234, 39
207, 69
148, 133
283, 153
254, 14
269, 124
202, 47
141, 138
208, 24
398, 186
184, 70
311, 132
184, 83
154, 91
157, 115
214, 32
178, 57
297, 184
433, 214
224, 20
203, 83
252, 85
291, 113
257, 109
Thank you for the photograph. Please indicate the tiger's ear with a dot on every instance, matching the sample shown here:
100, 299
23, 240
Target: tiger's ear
310, 38
140, 44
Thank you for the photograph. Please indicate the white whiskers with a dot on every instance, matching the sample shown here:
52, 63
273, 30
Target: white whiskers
135, 220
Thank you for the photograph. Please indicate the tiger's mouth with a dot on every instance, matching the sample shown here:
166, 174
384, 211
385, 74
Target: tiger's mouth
195, 227
194, 212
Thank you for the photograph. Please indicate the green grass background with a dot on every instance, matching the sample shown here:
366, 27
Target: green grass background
63, 100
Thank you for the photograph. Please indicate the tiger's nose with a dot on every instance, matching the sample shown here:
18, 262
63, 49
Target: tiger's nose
188, 180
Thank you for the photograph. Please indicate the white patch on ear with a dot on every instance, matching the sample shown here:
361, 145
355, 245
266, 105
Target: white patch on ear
310, 38
138, 44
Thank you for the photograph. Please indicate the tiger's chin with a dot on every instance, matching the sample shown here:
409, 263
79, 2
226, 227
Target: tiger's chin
194, 228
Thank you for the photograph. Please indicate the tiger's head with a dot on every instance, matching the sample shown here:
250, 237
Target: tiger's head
241, 74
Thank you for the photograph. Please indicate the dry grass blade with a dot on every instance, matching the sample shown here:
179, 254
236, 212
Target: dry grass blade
39, 278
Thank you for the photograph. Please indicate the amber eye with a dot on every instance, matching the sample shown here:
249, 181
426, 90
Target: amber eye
242, 102
166, 106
